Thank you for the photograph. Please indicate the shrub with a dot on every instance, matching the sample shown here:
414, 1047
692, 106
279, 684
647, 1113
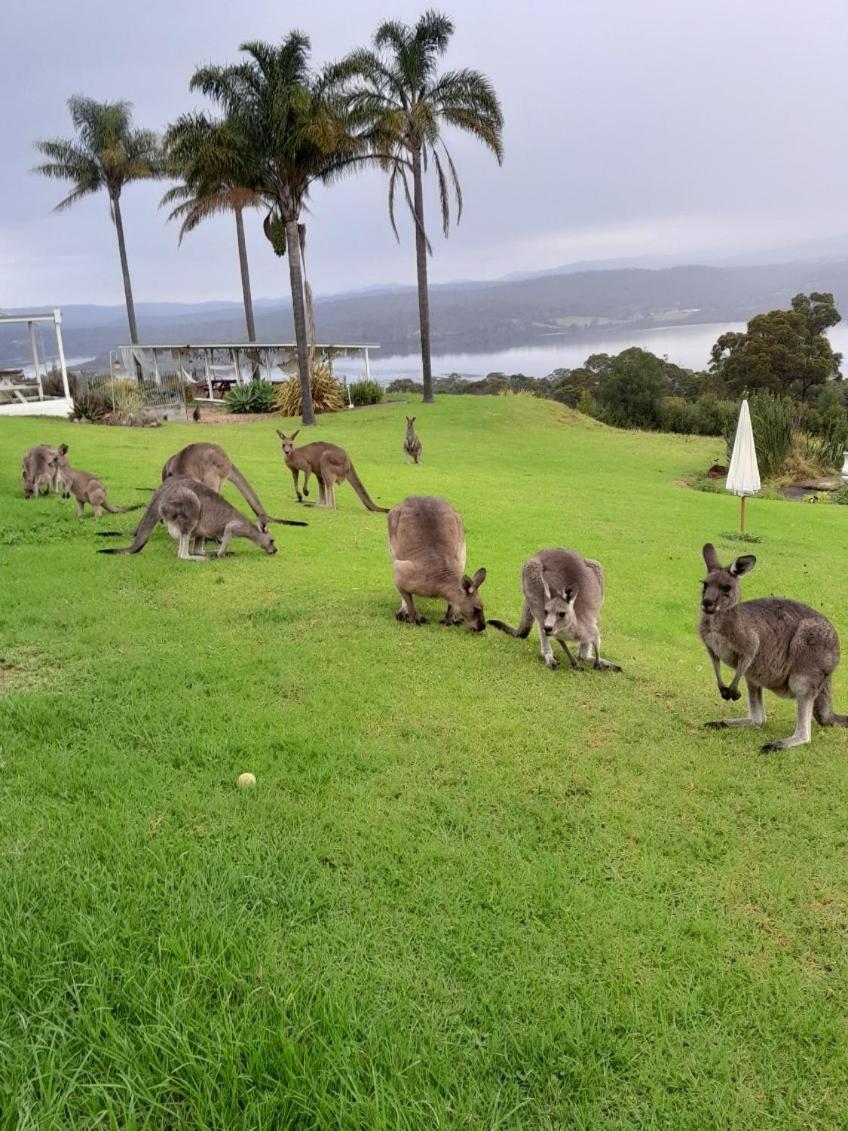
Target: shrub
92, 405
327, 394
52, 383
366, 392
773, 418
256, 396
404, 385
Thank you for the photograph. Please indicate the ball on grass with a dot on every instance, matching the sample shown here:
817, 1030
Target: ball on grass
246, 781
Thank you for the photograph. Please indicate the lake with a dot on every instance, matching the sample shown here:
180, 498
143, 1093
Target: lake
688, 346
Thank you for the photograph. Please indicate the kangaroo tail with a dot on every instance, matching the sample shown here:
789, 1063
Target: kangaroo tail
107, 506
823, 709
149, 489
286, 521
148, 524
523, 630
368, 502
250, 495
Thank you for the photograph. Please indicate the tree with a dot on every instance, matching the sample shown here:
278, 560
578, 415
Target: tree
213, 163
397, 95
296, 132
107, 154
784, 351
631, 388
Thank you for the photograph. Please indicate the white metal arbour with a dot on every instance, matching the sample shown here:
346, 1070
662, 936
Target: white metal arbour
30, 319
244, 358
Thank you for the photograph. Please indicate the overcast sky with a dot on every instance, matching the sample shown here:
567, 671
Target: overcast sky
694, 128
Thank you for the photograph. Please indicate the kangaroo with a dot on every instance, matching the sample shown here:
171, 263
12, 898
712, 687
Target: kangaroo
774, 643
85, 488
193, 512
329, 464
427, 547
563, 594
40, 468
411, 444
210, 464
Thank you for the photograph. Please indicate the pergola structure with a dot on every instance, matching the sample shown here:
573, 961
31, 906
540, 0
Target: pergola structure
277, 360
18, 391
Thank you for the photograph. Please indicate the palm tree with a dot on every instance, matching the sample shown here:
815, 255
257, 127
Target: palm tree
296, 134
213, 164
395, 94
107, 153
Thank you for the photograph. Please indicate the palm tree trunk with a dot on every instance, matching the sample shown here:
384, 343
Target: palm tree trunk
245, 277
423, 293
125, 268
299, 312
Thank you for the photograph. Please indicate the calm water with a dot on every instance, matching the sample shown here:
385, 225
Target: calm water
688, 346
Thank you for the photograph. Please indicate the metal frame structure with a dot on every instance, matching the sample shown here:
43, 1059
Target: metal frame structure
30, 320
244, 356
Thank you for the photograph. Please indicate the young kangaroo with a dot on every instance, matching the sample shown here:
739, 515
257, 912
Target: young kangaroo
329, 464
427, 547
40, 468
210, 464
563, 594
411, 444
193, 512
85, 488
772, 643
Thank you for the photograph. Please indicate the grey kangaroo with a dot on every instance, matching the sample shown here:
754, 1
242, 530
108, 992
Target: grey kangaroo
411, 444
330, 465
193, 512
772, 643
85, 488
210, 464
563, 594
427, 547
40, 468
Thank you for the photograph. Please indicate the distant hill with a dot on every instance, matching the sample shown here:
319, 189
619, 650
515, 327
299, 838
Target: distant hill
469, 316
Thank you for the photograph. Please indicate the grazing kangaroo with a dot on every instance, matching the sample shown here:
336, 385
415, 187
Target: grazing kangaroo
193, 512
427, 546
40, 468
85, 488
563, 594
772, 643
210, 464
329, 464
411, 444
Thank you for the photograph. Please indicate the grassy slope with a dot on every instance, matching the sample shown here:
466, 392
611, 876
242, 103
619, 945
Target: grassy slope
466, 890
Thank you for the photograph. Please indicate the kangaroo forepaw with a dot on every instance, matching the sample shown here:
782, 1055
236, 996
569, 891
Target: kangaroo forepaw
731, 693
606, 666
770, 747
549, 660
306, 491
719, 724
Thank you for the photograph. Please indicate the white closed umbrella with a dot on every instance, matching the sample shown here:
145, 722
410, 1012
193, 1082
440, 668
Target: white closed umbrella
743, 478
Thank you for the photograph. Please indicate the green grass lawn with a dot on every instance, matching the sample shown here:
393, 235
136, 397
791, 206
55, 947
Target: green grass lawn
466, 891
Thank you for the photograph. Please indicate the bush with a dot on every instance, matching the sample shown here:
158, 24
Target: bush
327, 394
256, 396
773, 418
404, 385
53, 387
92, 405
365, 392
707, 416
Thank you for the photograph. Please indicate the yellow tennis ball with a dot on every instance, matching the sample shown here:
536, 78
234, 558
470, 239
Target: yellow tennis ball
245, 781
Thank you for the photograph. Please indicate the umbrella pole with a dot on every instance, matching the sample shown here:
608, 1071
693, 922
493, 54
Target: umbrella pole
742, 513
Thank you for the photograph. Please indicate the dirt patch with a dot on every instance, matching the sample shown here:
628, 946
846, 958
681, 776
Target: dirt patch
25, 669
209, 417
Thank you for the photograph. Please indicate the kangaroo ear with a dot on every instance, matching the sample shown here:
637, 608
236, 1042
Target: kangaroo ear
570, 594
478, 578
294, 434
282, 435
63, 448
711, 557
744, 564
546, 588
263, 525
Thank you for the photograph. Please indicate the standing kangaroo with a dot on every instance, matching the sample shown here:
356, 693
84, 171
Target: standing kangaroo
40, 468
563, 594
411, 444
427, 547
85, 488
329, 464
772, 643
210, 464
193, 512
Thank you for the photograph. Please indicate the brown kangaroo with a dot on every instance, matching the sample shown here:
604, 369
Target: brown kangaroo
85, 488
772, 642
330, 465
40, 468
210, 464
427, 546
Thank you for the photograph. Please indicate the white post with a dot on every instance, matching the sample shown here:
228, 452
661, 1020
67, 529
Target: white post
156, 376
208, 374
267, 365
237, 367
33, 345
367, 366
57, 322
